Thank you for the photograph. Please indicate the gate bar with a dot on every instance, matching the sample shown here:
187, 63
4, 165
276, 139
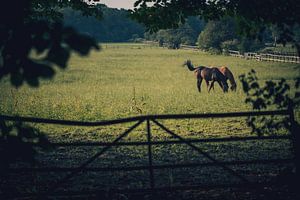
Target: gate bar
151, 174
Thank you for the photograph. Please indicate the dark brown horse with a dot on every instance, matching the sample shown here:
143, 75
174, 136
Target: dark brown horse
208, 74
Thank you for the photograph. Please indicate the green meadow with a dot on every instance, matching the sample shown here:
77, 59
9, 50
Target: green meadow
125, 80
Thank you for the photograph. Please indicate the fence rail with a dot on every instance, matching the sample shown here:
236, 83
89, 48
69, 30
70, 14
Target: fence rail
151, 167
143, 117
265, 56
275, 57
189, 47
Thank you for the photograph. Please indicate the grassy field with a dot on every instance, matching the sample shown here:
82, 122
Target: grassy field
132, 79
126, 80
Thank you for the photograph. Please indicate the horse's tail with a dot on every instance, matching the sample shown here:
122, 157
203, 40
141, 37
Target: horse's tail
189, 64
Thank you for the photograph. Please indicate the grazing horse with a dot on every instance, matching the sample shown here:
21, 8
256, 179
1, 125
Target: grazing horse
208, 74
229, 76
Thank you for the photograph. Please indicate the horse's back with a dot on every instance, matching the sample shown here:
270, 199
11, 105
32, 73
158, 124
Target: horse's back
216, 74
206, 73
224, 70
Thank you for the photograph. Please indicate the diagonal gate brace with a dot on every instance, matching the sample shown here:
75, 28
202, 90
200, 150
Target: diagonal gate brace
94, 157
231, 171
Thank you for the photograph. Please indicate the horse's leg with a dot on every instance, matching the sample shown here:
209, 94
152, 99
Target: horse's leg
207, 84
199, 81
211, 86
221, 85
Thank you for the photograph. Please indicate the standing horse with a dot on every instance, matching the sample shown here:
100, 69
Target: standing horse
208, 74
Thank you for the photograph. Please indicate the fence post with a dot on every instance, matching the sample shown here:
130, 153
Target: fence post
151, 175
295, 138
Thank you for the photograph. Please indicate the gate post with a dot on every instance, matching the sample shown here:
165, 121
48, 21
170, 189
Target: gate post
151, 175
295, 137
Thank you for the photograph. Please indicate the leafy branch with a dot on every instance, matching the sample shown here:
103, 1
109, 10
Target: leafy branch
274, 94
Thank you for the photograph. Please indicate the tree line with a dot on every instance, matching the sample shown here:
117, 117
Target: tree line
115, 26
213, 35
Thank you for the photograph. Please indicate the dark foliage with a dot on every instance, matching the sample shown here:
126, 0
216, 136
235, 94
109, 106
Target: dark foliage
19, 142
29, 26
36, 26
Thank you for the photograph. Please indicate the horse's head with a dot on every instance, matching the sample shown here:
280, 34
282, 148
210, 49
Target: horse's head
233, 87
225, 87
218, 76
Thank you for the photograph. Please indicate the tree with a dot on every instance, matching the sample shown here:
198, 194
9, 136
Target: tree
252, 16
216, 32
185, 34
115, 26
222, 35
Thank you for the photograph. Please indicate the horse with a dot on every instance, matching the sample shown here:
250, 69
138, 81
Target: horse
208, 74
229, 76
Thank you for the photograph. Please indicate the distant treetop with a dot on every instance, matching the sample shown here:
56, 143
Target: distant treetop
252, 16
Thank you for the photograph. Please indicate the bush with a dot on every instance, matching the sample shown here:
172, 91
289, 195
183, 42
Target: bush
230, 44
212, 50
249, 45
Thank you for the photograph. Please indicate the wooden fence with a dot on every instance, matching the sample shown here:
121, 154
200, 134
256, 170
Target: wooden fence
149, 121
248, 55
189, 47
182, 46
265, 57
